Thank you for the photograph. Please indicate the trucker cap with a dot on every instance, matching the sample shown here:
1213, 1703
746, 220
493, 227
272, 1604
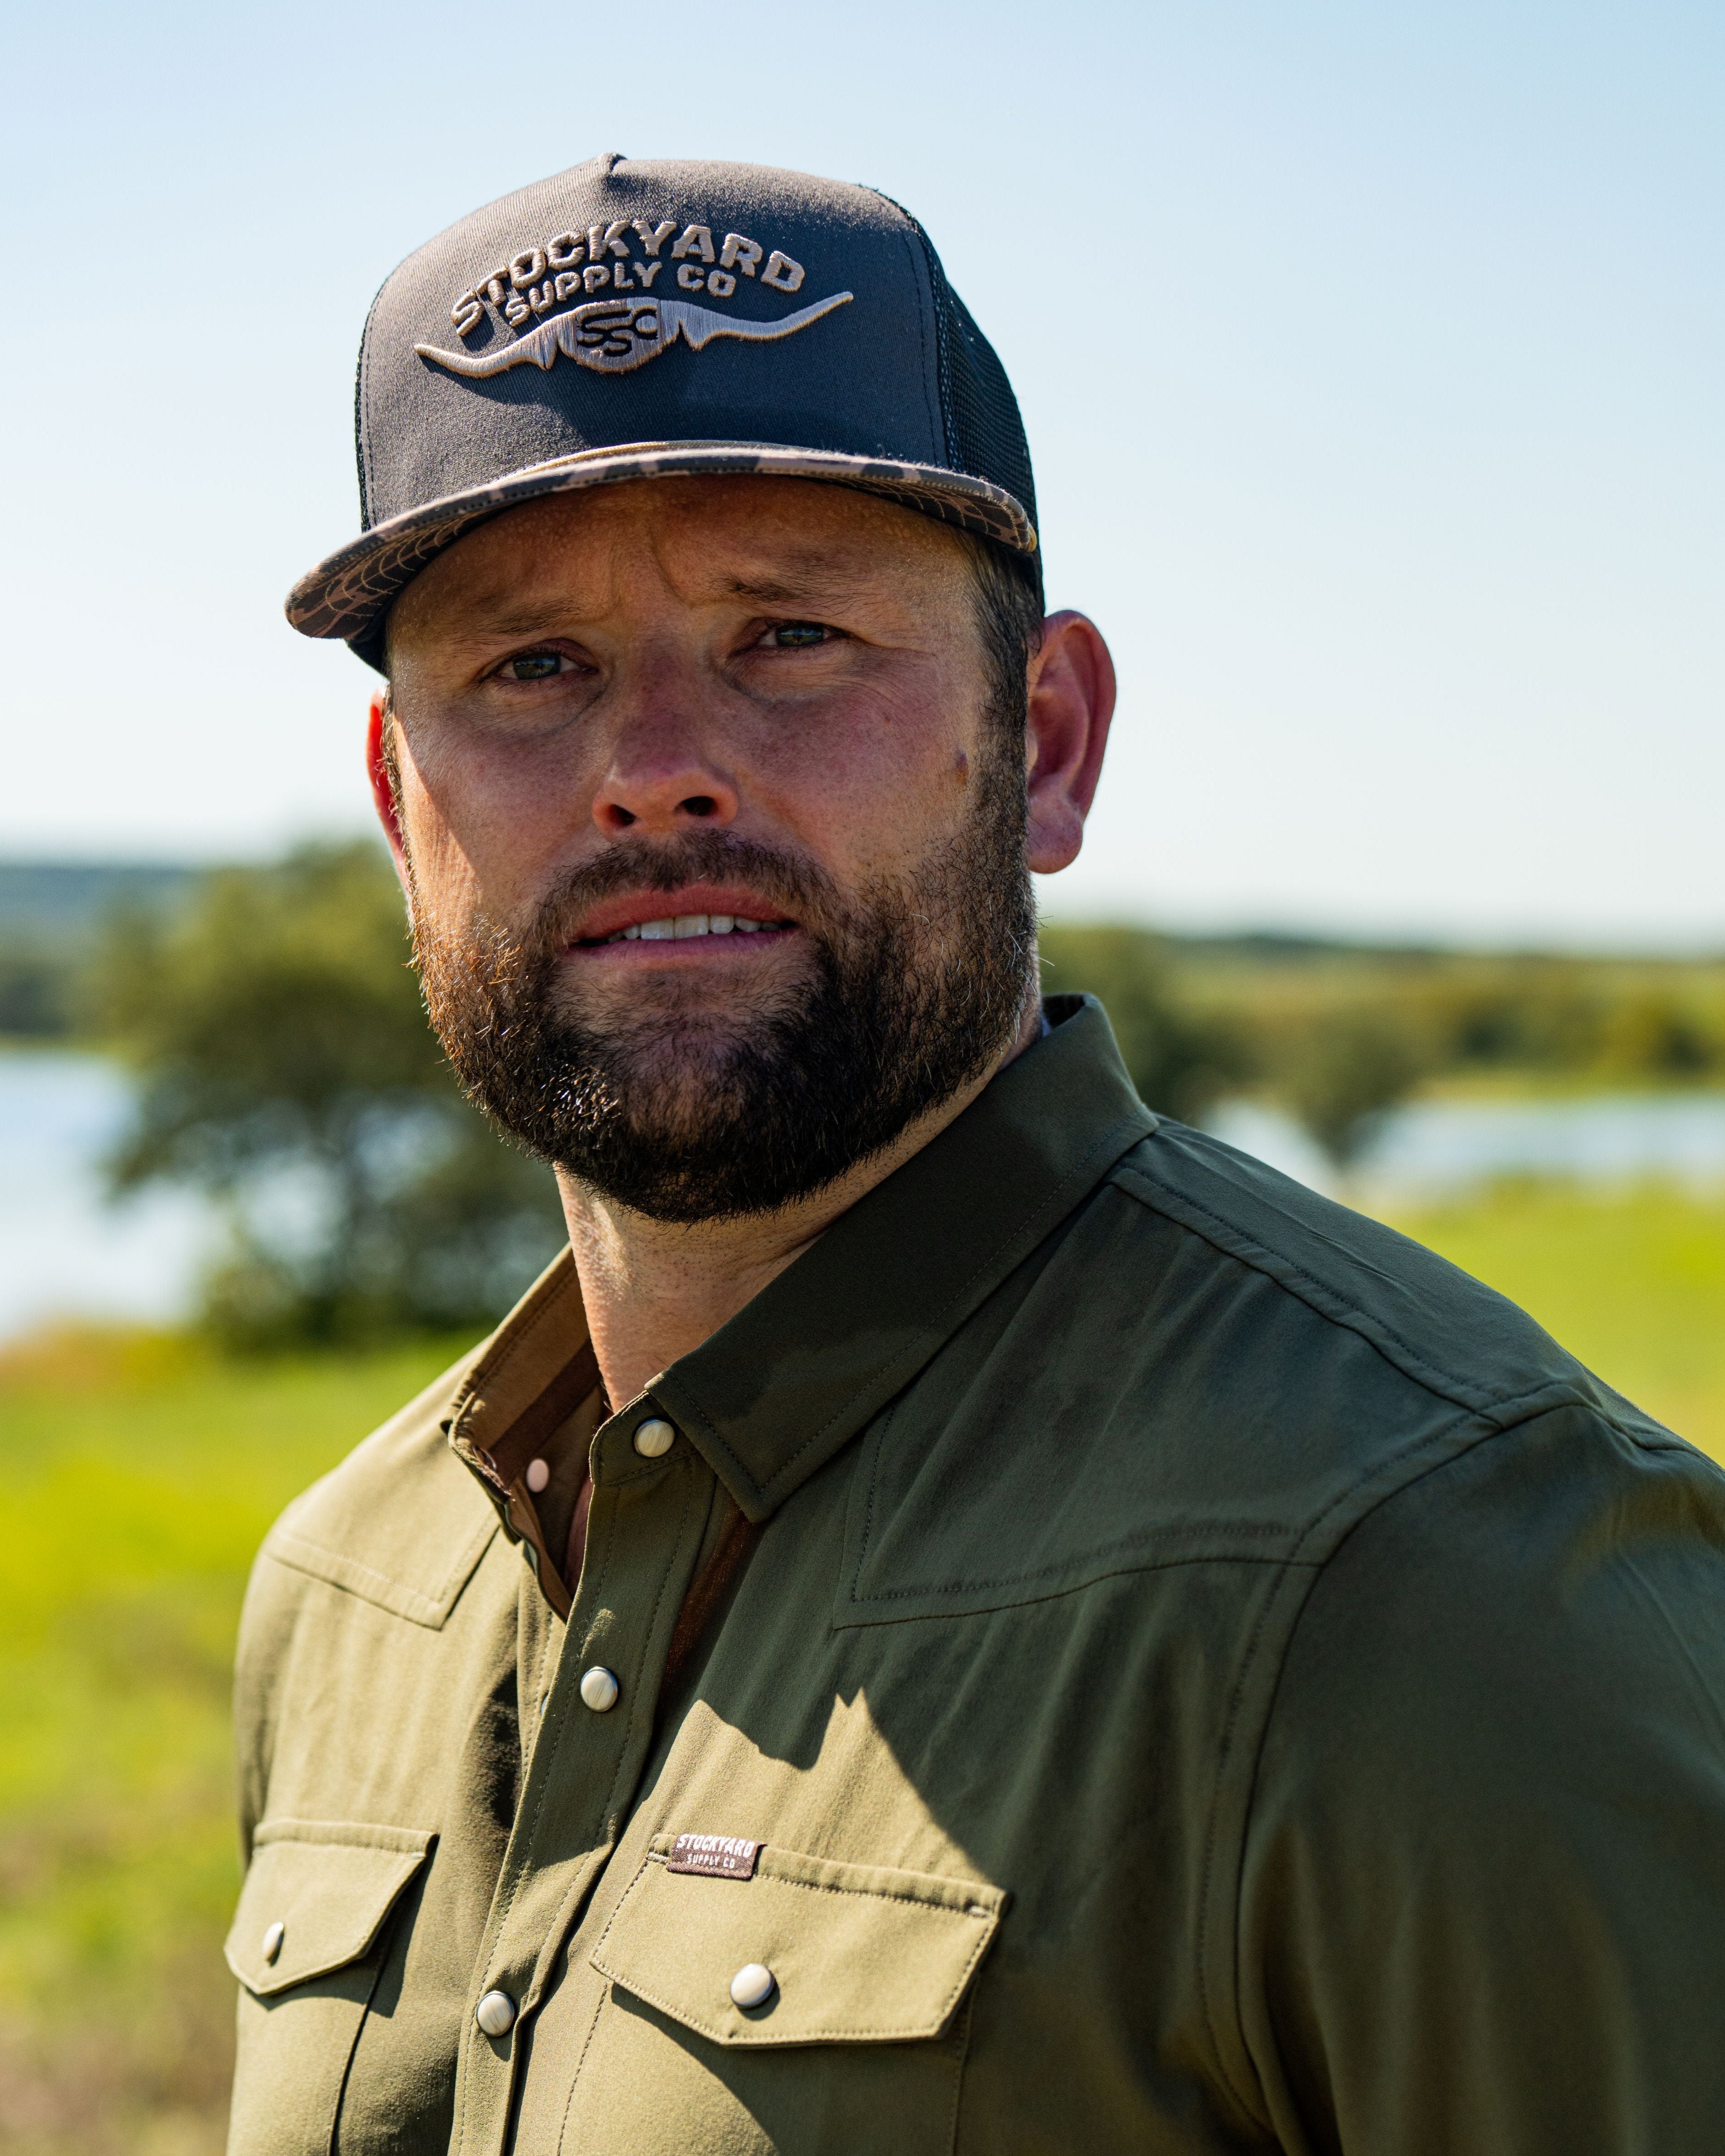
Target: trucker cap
632, 319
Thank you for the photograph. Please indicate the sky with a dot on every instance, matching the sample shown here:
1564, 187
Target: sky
1370, 355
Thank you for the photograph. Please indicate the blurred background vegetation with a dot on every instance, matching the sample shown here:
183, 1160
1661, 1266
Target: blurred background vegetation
284, 1068
373, 1227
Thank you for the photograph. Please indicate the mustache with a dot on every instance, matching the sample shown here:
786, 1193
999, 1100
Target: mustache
795, 885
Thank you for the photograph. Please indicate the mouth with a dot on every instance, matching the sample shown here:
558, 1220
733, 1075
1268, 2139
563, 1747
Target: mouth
698, 913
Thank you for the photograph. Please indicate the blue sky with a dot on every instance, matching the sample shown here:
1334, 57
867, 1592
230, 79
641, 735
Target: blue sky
1390, 461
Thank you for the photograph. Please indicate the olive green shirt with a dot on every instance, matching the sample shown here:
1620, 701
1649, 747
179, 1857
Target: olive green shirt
1172, 1666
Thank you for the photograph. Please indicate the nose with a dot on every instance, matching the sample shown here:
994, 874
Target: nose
661, 782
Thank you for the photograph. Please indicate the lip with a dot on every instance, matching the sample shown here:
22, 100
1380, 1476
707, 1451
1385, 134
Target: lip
629, 910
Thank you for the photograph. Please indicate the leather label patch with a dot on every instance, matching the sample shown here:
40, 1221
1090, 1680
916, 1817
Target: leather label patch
715, 1855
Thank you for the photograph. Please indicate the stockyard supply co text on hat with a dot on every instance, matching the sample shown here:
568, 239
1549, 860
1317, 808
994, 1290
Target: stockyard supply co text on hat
628, 321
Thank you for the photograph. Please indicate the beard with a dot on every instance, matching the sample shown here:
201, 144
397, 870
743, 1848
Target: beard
703, 1101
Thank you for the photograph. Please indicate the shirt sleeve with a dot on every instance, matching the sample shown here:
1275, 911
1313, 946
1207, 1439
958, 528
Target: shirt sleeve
1482, 1890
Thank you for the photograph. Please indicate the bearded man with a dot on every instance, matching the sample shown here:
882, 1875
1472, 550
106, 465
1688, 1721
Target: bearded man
959, 1616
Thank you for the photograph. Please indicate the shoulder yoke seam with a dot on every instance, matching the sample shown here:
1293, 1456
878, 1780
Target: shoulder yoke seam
1502, 1409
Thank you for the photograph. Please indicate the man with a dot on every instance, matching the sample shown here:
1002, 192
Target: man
960, 1615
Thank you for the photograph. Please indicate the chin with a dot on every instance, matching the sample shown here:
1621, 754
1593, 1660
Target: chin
686, 1008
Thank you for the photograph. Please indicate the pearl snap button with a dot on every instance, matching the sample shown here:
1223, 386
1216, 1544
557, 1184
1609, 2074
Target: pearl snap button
752, 1986
599, 1689
495, 2014
537, 1476
654, 1439
272, 1940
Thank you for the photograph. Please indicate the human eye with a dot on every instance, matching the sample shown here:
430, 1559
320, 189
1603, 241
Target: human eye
531, 666
795, 636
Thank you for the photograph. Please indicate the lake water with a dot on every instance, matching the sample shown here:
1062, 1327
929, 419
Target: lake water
64, 1251
1436, 1147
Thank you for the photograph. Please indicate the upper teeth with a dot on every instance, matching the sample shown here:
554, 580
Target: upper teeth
690, 924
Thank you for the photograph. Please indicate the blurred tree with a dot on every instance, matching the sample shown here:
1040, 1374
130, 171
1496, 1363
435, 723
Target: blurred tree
285, 1067
1342, 1073
1181, 1058
32, 996
1535, 1014
1655, 1035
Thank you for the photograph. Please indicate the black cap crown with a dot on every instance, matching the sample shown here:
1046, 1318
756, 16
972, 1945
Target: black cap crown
624, 321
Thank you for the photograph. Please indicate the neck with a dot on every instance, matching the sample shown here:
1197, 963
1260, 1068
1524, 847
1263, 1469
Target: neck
654, 1290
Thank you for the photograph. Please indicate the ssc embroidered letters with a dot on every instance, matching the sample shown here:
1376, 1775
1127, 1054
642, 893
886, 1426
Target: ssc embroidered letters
613, 335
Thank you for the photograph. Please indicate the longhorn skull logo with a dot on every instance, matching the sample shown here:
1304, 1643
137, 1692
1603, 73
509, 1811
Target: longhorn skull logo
612, 336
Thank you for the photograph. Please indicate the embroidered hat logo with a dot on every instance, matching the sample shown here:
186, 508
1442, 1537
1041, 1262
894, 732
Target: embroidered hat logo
503, 360
614, 336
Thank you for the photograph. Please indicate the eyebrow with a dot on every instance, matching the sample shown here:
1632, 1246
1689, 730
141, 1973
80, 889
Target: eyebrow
510, 624
817, 582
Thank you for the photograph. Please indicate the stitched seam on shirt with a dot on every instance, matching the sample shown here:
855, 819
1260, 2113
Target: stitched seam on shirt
555, 1293
649, 1708
1294, 1536
1531, 1406
515, 1892
868, 1535
1416, 1363
269, 1835
863, 1605
600, 2004
542, 1690
1315, 1568
1442, 1383
466, 2077
383, 1944
1100, 1550
1212, 1839
983, 1266
951, 2138
955, 1993
565, 1915
923, 1907
281, 1548
640, 1873
1214, 1825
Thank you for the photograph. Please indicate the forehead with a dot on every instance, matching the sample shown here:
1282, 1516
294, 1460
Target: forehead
698, 541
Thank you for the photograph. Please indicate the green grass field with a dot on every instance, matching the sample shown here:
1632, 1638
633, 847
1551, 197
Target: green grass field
139, 1474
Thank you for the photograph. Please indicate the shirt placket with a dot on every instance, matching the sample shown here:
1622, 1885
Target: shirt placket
643, 1534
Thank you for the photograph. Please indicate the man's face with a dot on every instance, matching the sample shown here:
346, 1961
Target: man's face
714, 831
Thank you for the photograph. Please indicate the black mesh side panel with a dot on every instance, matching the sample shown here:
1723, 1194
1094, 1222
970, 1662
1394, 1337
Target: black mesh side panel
985, 432
985, 418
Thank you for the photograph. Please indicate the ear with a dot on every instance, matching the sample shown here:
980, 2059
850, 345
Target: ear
1070, 708
382, 794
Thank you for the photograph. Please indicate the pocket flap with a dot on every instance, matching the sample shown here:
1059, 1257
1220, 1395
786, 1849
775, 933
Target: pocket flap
328, 1884
858, 1953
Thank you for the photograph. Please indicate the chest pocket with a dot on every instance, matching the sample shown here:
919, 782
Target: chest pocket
858, 2049
306, 1942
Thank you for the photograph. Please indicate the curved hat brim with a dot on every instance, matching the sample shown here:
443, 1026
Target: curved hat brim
347, 595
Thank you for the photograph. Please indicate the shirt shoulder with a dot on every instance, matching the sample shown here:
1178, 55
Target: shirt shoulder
400, 1522
1443, 1331
1319, 1352
1206, 1363
1501, 1714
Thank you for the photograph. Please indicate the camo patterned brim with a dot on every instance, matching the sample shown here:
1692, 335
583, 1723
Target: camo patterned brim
347, 595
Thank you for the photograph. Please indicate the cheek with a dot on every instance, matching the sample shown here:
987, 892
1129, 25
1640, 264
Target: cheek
485, 820
876, 783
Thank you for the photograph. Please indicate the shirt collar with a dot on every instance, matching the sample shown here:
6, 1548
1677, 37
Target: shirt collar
777, 1391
